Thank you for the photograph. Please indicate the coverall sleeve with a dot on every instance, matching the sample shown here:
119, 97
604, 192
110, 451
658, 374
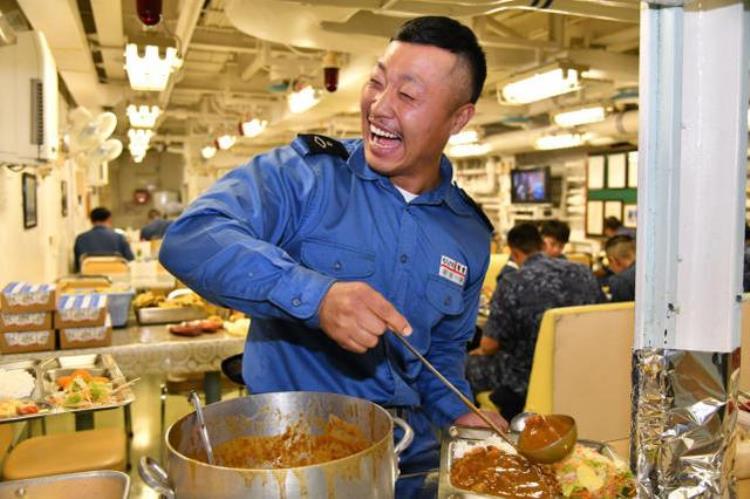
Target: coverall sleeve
448, 353
228, 245
125, 250
620, 289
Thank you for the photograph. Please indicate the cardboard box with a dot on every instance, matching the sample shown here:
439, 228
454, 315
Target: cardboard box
27, 341
86, 337
23, 297
32, 321
81, 310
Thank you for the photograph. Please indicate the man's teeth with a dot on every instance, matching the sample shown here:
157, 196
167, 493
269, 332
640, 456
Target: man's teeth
381, 132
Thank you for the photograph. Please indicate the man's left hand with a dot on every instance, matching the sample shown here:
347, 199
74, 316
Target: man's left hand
471, 419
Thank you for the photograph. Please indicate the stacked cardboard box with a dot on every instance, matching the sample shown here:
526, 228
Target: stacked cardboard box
83, 321
26, 317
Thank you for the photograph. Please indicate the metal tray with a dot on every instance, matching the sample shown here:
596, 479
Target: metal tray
461, 435
37, 394
97, 365
84, 485
158, 315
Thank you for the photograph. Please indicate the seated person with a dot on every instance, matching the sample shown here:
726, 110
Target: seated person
100, 239
555, 234
613, 227
156, 227
621, 255
502, 363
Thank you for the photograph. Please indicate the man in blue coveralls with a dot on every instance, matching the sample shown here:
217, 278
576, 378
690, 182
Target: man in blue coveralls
328, 245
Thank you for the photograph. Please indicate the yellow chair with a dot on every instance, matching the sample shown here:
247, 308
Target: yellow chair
582, 258
497, 262
111, 266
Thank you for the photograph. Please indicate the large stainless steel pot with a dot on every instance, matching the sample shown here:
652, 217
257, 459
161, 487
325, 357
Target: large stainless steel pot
367, 474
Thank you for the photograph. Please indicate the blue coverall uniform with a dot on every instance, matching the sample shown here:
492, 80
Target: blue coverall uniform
273, 235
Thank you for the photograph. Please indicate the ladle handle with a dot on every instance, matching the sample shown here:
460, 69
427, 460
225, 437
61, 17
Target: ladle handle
468, 403
202, 430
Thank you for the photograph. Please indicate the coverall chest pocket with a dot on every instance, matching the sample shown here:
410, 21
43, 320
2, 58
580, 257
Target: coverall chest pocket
444, 296
335, 260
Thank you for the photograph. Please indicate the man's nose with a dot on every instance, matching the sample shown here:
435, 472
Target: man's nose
382, 104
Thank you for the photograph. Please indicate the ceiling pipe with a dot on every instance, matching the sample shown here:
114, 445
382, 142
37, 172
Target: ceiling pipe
190, 12
7, 33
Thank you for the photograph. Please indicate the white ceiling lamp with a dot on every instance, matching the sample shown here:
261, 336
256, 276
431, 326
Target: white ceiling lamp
150, 72
143, 116
226, 141
253, 127
560, 141
302, 100
464, 137
468, 150
540, 84
140, 138
582, 116
208, 152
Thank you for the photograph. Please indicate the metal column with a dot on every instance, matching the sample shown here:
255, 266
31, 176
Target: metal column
691, 201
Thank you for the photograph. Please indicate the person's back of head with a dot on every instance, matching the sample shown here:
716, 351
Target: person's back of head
100, 215
620, 252
153, 214
524, 240
611, 226
555, 235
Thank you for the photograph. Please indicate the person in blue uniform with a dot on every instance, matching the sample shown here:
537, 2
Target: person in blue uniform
621, 255
100, 239
329, 245
156, 227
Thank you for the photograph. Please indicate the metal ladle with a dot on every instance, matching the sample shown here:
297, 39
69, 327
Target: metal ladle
202, 430
556, 451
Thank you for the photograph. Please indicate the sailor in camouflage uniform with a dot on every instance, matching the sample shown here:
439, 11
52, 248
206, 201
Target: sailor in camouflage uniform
502, 363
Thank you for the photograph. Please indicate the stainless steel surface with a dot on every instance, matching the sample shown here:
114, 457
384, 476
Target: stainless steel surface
468, 403
518, 423
406, 440
155, 477
684, 410
85, 485
367, 474
37, 395
158, 315
460, 436
98, 365
202, 430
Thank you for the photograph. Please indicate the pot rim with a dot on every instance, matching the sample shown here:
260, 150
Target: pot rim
388, 435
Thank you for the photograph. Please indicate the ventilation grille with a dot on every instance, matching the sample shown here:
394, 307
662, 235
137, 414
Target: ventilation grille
37, 112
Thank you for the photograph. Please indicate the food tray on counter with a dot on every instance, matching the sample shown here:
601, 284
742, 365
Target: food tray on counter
466, 437
50, 398
34, 399
164, 315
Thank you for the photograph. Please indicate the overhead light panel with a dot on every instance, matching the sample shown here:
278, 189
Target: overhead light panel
226, 141
560, 141
143, 116
468, 150
302, 100
582, 116
253, 127
208, 152
150, 72
464, 137
541, 84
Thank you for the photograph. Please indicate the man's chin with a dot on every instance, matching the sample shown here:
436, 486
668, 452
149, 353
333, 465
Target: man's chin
383, 166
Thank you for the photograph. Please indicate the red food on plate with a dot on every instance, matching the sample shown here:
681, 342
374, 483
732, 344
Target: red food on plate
210, 326
185, 329
27, 408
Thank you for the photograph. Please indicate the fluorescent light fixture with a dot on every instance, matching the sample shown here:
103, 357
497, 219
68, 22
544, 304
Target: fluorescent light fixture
541, 85
142, 116
139, 141
583, 116
253, 128
468, 150
150, 71
464, 137
226, 141
208, 152
560, 141
302, 100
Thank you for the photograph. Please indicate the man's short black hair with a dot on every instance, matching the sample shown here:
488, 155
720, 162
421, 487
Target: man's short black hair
526, 238
100, 214
450, 35
153, 213
557, 230
612, 223
622, 246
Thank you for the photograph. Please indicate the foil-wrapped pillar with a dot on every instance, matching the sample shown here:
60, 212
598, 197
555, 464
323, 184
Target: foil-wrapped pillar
691, 204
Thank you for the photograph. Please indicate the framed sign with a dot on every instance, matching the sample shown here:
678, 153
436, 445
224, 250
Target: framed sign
595, 218
630, 215
633, 169
28, 191
595, 172
613, 209
616, 171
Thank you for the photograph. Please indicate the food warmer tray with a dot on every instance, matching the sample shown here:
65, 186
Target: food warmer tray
37, 395
462, 435
83, 485
97, 365
164, 315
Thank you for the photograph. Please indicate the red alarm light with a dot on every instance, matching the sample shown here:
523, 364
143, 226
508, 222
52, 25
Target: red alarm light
149, 11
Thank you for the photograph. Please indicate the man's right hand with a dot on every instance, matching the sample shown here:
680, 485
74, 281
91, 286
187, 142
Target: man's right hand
355, 316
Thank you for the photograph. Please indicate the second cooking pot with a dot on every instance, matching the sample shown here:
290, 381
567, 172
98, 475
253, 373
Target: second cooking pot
370, 473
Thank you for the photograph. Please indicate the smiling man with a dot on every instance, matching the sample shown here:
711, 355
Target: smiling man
328, 245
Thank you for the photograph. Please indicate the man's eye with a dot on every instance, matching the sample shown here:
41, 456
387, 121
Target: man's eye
374, 81
406, 96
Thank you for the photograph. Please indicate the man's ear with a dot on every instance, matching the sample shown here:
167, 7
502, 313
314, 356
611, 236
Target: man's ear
461, 117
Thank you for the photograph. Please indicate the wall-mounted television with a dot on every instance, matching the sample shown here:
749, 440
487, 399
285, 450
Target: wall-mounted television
530, 185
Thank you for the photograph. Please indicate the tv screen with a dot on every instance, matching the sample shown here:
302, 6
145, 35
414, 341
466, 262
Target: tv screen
530, 185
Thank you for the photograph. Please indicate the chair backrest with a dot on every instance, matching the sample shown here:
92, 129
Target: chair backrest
497, 262
582, 367
582, 258
104, 265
